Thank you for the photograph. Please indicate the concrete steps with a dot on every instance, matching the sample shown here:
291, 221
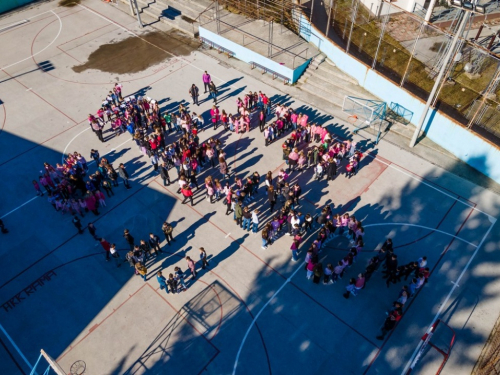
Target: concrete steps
180, 15
323, 79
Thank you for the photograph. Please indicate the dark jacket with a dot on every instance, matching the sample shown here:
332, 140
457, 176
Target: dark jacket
164, 173
123, 173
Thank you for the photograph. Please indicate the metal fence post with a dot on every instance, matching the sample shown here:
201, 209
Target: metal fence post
386, 20
354, 14
412, 53
329, 18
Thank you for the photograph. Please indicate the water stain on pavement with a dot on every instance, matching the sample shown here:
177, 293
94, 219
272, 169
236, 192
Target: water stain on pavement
69, 3
135, 54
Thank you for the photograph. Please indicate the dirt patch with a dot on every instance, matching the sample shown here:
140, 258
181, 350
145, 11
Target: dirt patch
69, 3
437, 46
135, 54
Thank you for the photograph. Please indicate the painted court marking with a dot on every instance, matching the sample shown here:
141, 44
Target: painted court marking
301, 266
47, 46
445, 302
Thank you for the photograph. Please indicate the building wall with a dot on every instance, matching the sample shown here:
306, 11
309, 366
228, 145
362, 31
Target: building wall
247, 55
6, 5
442, 130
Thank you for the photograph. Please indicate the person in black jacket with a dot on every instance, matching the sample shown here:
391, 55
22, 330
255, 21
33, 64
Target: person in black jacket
331, 171
154, 242
124, 175
164, 174
392, 265
389, 324
194, 93
128, 237
271, 195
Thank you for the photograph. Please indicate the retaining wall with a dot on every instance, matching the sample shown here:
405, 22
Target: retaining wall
467, 146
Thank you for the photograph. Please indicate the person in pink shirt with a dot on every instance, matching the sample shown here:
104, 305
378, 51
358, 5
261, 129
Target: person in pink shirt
293, 118
303, 120
236, 123
206, 80
246, 122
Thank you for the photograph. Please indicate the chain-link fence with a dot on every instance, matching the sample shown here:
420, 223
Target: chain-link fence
410, 53
489, 360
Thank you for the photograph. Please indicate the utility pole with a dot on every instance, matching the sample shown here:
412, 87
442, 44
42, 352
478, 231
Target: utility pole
465, 19
428, 15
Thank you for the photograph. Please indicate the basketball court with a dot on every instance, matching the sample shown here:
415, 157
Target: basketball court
252, 311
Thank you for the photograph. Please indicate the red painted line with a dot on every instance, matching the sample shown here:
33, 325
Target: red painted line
218, 297
90, 32
63, 51
333, 314
251, 315
39, 144
222, 231
221, 310
32, 91
418, 291
382, 170
178, 312
99, 324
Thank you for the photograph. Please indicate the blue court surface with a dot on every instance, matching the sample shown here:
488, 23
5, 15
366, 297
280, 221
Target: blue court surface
253, 311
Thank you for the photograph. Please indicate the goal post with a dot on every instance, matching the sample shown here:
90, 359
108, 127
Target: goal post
53, 365
368, 113
438, 340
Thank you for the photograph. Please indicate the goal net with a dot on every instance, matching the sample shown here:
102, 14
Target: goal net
367, 113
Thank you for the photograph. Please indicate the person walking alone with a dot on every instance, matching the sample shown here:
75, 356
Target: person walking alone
206, 80
167, 230
203, 258
77, 223
124, 175
194, 93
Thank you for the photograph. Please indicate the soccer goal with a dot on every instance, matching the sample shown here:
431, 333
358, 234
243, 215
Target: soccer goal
366, 113
435, 349
53, 366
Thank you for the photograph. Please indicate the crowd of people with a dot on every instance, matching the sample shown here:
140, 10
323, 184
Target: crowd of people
305, 145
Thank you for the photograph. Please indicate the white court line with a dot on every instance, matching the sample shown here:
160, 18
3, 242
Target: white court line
138, 36
260, 312
431, 186
445, 302
419, 179
18, 207
72, 139
16, 347
367, 225
421, 226
27, 19
57, 36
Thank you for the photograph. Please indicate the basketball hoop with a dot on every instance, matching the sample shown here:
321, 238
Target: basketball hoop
352, 119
